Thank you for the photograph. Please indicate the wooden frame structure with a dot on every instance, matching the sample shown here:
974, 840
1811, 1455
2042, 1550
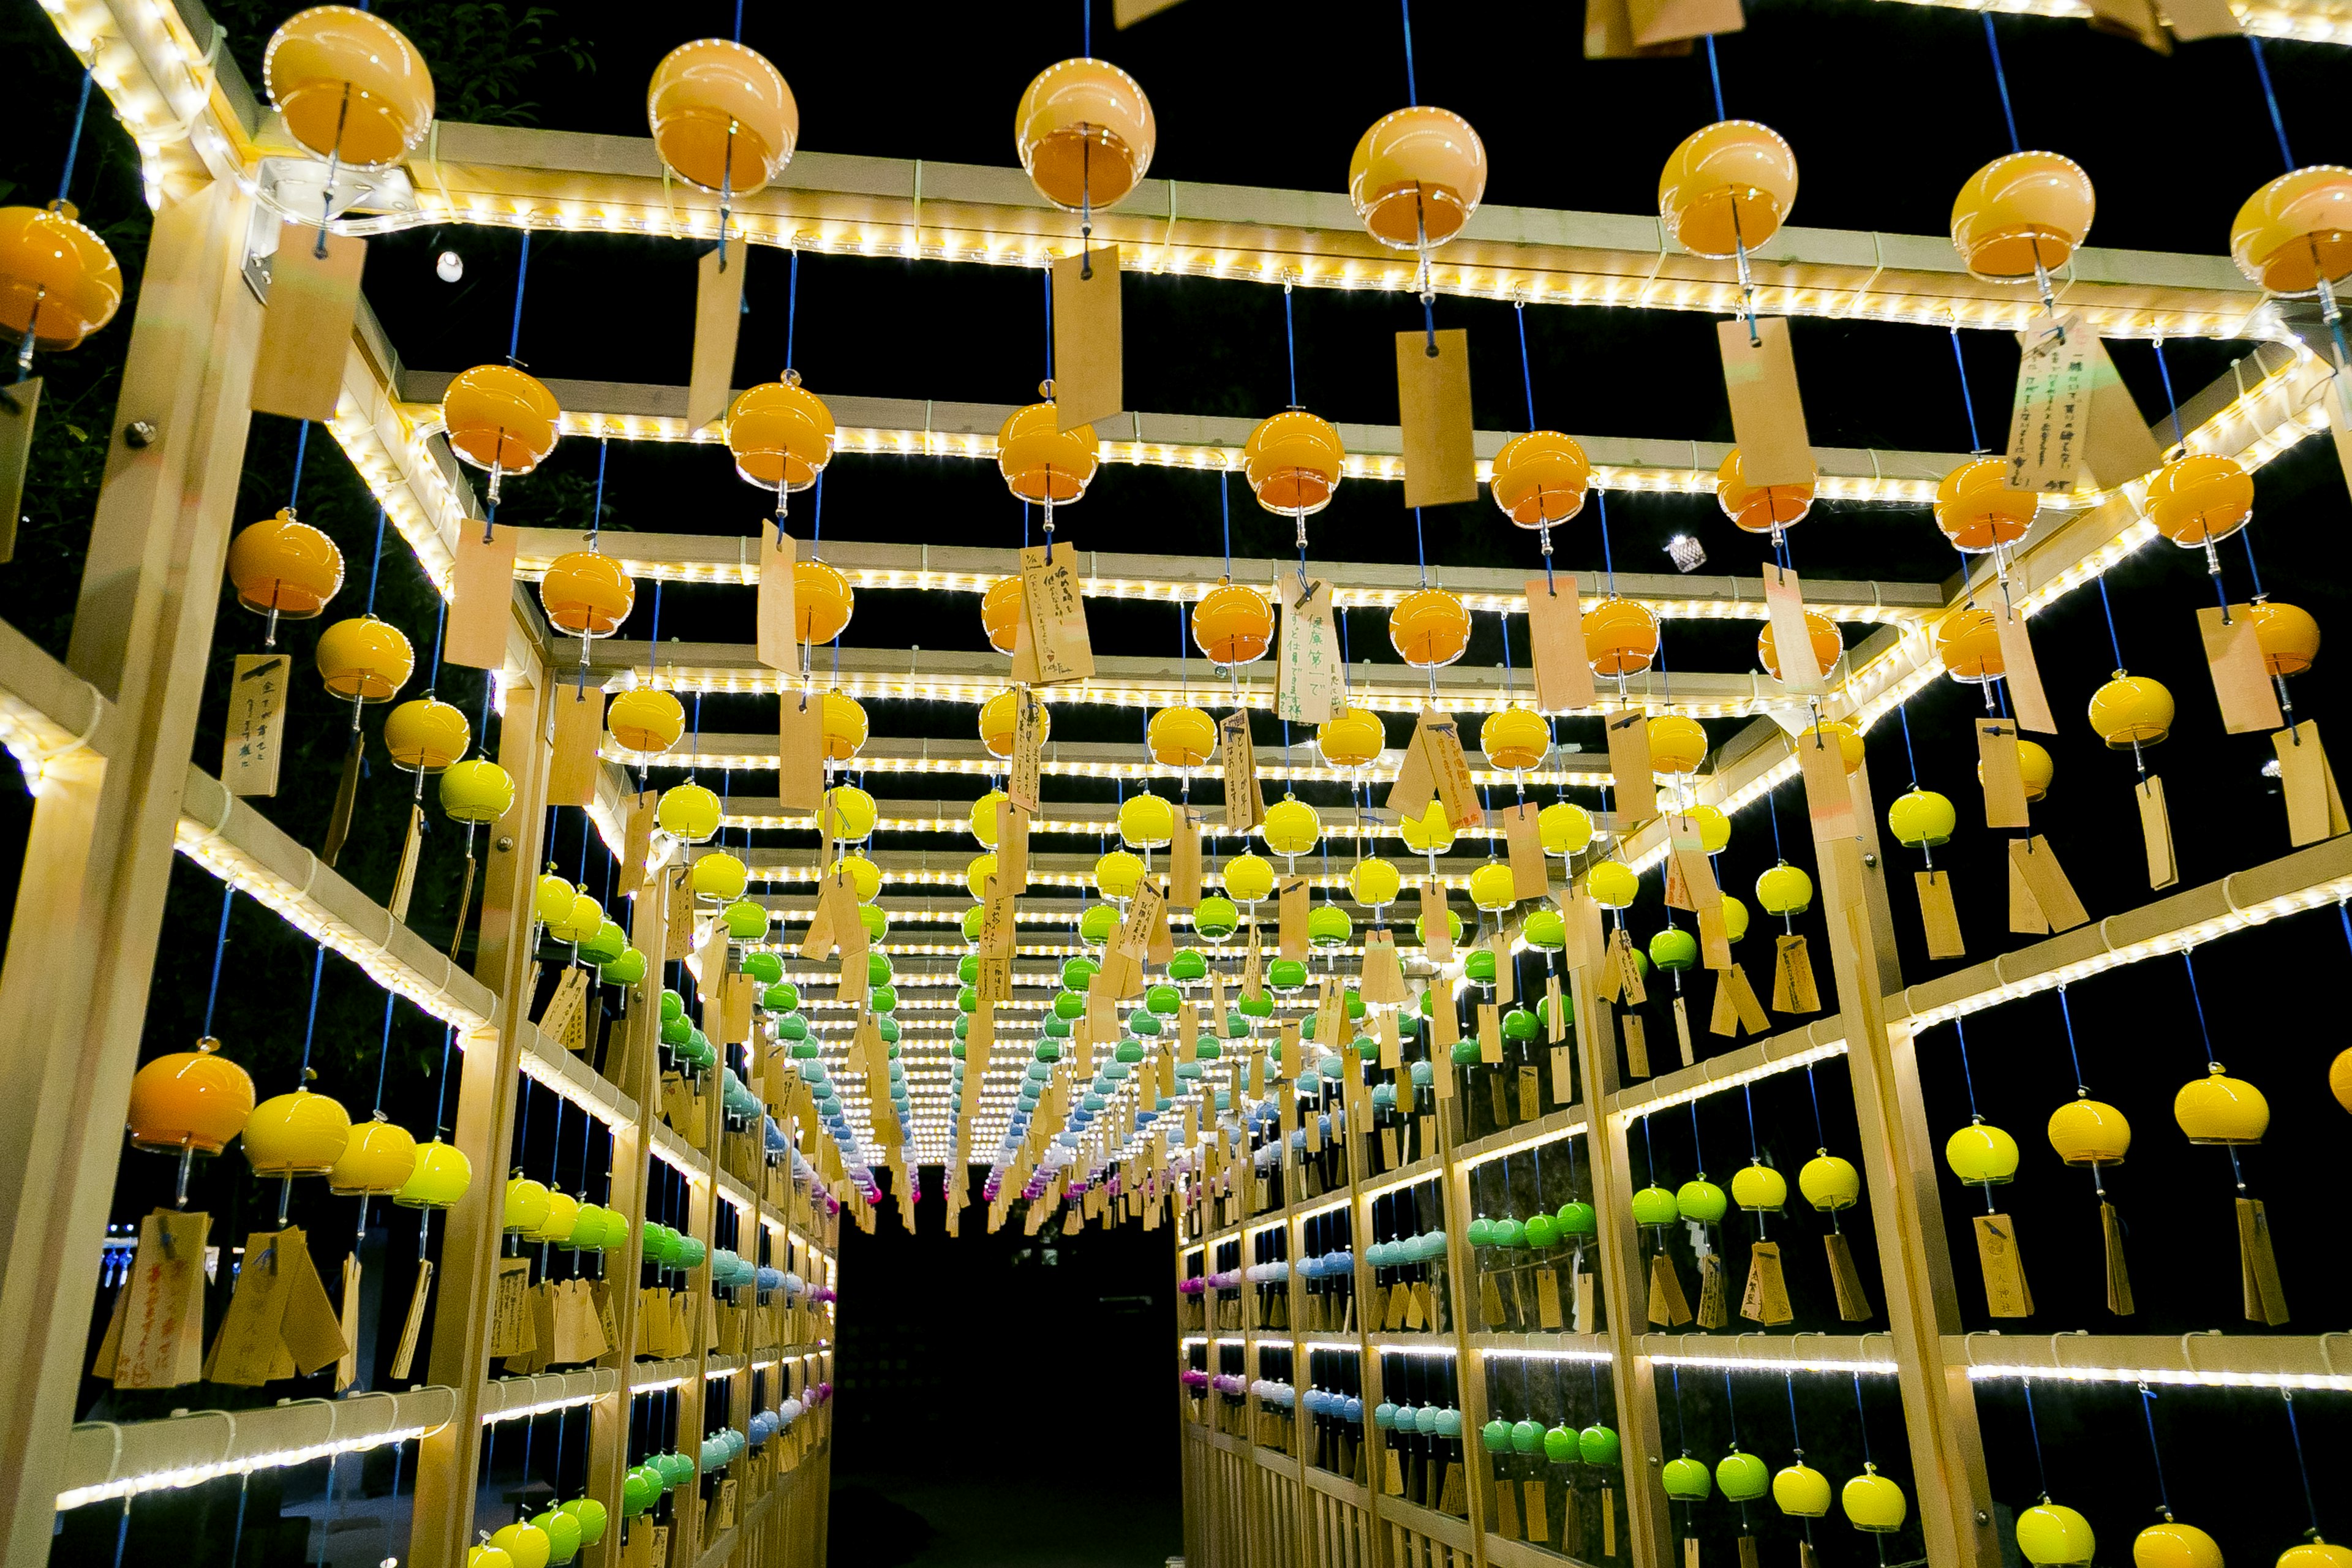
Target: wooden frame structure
107, 736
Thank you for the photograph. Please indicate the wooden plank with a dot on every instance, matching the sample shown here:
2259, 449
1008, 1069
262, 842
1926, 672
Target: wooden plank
1556, 645
313, 300
1089, 383
1440, 464
777, 644
481, 598
1760, 376
717, 322
578, 727
2241, 680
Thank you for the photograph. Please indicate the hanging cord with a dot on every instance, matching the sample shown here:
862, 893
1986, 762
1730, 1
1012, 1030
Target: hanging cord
1290, 340
301, 449
1412, 94
2262, 73
2302, 1469
522, 274
2033, 1432
220, 947
792, 305
81, 109
596, 515
2066, 1014
310, 1024
1715, 76
2001, 81
2189, 963
384, 1060
1902, 712
1967, 399
1608, 561
2155, 1453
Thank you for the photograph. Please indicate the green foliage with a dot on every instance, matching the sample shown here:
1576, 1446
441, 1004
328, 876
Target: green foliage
482, 52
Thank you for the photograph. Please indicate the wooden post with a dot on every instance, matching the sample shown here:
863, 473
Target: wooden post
608, 1434
448, 1461
1469, 1370
89, 905
1631, 1375
1899, 1159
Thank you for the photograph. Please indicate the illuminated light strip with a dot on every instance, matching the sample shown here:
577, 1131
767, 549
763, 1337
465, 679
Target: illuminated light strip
1313, 257
947, 878
1398, 695
213, 850
546, 1406
197, 1475
868, 441
2334, 890
2175, 1377
1629, 1104
563, 1074
683, 756
1501, 1352
1350, 829
1520, 1146
1778, 1365
2304, 21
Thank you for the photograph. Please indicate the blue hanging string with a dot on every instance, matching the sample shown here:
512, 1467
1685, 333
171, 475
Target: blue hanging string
1813, 1087
1527, 370
2000, 80
1412, 94
1715, 76
384, 1053
2189, 963
792, 305
1047, 274
301, 449
1968, 1078
440, 622
1086, 25
1772, 811
1420, 550
816, 520
1698, 1153
1967, 399
1226, 517
596, 517
220, 947
1861, 1419
2246, 536
2278, 126
2034, 1431
1755, 1148
2170, 401
738, 21
122, 1531
2107, 605
375, 563
2294, 1433
522, 272
1908, 754
1290, 340
73, 139
310, 1024
1608, 562
2155, 1453
2066, 1013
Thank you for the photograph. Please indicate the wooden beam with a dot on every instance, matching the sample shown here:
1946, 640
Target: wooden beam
904, 427
958, 676
509, 176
